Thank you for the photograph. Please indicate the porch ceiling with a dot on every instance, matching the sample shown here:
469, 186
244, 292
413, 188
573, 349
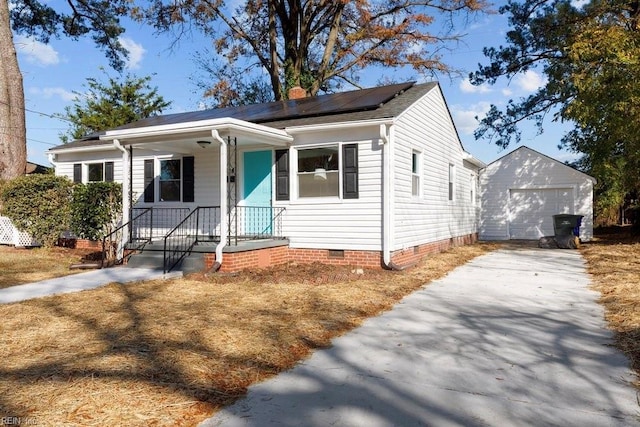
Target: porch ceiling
186, 135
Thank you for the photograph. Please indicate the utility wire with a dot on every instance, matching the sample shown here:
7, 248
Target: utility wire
51, 116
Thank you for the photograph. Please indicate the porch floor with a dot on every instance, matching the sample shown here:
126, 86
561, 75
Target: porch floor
242, 246
210, 246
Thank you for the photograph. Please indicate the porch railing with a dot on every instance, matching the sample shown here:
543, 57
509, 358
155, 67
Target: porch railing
254, 222
199, 225
156, 222
181, 229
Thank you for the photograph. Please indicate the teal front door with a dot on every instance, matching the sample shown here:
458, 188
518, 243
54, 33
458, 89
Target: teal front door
257, 193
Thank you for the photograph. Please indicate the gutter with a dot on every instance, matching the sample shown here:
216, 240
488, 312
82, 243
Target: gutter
223, 200
292, 130
474, 161
52, 159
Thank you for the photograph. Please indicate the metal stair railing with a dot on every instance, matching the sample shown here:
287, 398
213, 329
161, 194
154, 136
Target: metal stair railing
110, 241
179, 242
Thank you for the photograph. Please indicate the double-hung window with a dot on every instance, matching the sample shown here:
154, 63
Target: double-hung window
328, 171
416, 169
169, 180
319, 172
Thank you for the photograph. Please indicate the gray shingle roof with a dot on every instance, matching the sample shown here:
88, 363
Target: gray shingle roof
366, 104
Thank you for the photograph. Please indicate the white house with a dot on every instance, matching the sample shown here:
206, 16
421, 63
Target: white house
374, 177
521, 191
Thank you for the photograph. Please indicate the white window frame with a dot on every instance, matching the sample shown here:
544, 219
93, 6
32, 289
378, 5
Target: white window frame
416, 175
88, 165
295, 188
158, 168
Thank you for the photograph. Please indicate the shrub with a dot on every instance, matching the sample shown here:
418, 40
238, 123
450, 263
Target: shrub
38, 205
95, 209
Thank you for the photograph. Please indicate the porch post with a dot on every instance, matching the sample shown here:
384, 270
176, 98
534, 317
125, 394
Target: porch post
224, 224
126, 188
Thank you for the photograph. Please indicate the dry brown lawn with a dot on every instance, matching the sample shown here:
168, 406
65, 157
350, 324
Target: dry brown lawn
173, 352
613, 260
20, 265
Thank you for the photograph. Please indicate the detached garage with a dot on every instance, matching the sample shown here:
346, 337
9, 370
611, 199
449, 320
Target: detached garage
521, 192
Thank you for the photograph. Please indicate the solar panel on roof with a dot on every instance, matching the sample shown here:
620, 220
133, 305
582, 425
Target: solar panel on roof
336, 103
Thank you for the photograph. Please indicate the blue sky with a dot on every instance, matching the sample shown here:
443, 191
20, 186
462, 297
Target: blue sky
53, 72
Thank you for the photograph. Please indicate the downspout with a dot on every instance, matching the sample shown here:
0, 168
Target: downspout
224, 224
52, 160
387, 195
126, 192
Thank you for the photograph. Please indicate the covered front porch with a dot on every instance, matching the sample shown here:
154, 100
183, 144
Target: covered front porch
201, 187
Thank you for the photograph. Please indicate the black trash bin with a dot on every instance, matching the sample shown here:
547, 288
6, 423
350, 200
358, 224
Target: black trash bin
567, 225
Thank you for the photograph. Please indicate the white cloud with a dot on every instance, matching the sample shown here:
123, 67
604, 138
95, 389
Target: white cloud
530, 81
467, 87
51, 92
507, 92
36, 52
136, 52
465, 117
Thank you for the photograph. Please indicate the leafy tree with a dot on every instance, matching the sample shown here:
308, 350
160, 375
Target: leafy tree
317, 45
38, 204
115, 103
232, 87
590, 56
95, 18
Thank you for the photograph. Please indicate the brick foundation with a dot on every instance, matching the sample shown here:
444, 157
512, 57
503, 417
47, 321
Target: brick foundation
261, 258
413, 255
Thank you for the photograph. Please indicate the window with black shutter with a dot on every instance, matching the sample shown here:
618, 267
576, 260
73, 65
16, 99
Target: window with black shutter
350, 171
108, 171
282, 175
77, 172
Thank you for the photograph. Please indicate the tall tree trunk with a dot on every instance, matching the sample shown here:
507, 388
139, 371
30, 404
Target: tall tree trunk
13, 132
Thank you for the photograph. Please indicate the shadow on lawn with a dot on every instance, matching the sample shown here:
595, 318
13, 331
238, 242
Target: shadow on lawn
435, 360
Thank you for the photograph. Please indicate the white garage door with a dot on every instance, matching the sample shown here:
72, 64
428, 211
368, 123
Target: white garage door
531, 211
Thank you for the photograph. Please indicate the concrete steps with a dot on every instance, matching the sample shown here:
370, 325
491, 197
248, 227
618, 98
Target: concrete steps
152, 256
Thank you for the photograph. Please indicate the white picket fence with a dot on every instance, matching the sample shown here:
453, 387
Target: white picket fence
10, 235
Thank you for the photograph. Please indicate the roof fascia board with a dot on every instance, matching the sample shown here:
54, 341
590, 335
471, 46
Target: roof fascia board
595, 181
101, 147
474, 161
292, 130
224, 124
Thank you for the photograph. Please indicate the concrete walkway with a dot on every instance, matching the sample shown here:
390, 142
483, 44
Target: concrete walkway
79, 282
513, 338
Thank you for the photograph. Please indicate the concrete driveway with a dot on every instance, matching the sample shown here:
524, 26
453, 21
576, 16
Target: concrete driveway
513, 338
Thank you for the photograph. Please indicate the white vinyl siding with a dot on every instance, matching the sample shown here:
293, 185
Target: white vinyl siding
521, 191
426, 126
65, 162
333, 223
